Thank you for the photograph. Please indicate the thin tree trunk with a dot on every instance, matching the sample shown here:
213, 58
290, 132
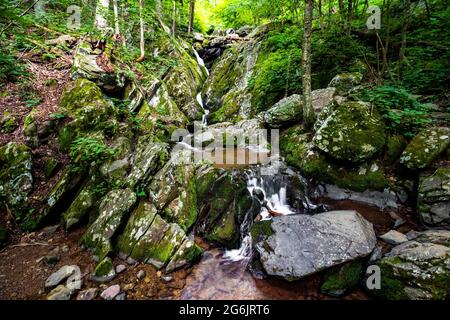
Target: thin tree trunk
142, 39
174, 22
101, 12
159, 7
116, 20
191, 16
308, 111
320, 15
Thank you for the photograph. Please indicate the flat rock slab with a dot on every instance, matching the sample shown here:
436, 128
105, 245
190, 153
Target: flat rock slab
302, 245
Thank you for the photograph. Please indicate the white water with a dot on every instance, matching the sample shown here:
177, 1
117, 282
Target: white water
206, 111
200, 61
276, 201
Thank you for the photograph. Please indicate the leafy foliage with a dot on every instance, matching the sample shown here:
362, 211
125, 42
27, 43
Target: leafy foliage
88, 151
402, 112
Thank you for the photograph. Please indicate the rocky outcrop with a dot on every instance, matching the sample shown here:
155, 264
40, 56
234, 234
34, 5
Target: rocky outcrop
425, 147
301, 245
16, 180
113, 213
285, 112
344, 82
418, 269
353, 132
433, 204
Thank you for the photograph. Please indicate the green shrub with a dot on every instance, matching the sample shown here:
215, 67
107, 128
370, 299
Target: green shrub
90, 151
402, 113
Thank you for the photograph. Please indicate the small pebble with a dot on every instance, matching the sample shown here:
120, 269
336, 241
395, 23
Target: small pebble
111, 292
141, 274
120, 268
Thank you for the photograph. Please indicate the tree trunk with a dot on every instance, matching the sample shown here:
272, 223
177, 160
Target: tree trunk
101, 13
308, 111
174, 22
320, 15
191, 16
116, 20
142, 39
159, 7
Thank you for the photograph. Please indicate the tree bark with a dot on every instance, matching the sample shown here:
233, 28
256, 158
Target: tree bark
142, 39
101, 12
174, 21
191, 16
116, 20
308, 111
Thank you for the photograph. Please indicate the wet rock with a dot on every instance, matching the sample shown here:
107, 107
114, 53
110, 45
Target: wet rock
60, 293
394, 237
111, 292
121, 296
287, 111
113, 210
16, 180
198, 37
167, 279
417, 269
425, 147
187, 253
301, 245
89, 294
353, 132
104, 271
433, 202
60, 275
344, 82
340, 280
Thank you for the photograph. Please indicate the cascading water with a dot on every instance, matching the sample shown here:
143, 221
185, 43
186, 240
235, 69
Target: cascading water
206, 111
201, 62
271, 193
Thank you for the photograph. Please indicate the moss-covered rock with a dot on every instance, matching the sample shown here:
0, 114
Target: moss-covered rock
50, 166
113, 212
394, 148
344, 82
148, 158
425, 147
104, 271
433, 201
293, 144
285, 112
83, 204
16, 180
339, 280
8, 122
416, 270
188, 253
261, 230
353, 132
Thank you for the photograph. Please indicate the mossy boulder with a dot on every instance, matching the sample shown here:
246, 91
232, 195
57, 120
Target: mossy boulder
8, 122
353, 132
82, 205
344, 82
416, 270
148, 158
340, 280
85, 66
104, 271
287, 111
315, 164
116, 169
113, 212
425, 147
16, 180
186, 254
51, 165
395, 145
433, 201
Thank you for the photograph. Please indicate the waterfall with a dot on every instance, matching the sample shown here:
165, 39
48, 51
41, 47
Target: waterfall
200, 61
206, 111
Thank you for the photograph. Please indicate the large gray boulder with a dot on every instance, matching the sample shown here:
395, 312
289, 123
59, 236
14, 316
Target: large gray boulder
300, 245
344, 82
418, 269
433, 202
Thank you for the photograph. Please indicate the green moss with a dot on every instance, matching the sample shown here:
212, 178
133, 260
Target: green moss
394, 148
8, 122
293, 143
104, 268
226, 231
67, 134
50, 166
261, 230
79, 93
341, 279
